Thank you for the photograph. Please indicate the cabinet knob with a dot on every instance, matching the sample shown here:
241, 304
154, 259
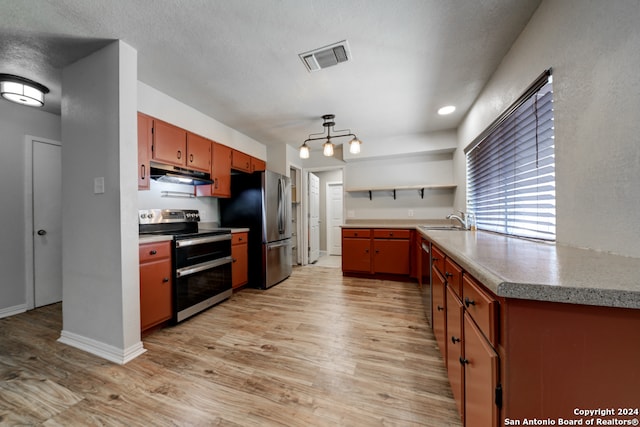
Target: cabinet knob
469, 302
447, 274
179, 154
153, 252
191, 158
439, 308
435, 259
464, 361
234, 259
454, 339
165, 280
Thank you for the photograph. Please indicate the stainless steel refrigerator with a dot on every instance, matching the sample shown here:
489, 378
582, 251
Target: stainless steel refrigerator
261, 201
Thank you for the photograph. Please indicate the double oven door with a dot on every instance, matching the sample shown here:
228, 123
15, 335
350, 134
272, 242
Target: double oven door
202, 273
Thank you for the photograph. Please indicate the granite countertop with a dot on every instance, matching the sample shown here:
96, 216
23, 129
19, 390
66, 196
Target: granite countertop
519, 268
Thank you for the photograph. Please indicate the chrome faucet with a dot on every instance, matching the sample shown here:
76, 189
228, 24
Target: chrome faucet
462, 218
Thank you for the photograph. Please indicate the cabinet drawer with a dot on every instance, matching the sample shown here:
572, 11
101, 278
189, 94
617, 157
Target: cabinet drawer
383, 233
153, 251
356, 232
453, 276
239, 238
482, 308
437, 257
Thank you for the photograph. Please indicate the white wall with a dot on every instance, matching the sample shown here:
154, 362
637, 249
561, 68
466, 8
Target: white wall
416, 169
100, 268
593, 49
16, 121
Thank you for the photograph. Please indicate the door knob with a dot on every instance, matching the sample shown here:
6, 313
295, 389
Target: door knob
42, 232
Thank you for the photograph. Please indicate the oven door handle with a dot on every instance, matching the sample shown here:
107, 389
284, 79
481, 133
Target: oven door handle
200, 240
185, 271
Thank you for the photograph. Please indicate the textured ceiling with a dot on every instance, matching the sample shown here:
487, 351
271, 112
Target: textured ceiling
237, 61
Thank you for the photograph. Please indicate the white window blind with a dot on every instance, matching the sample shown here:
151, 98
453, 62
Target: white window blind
511, 168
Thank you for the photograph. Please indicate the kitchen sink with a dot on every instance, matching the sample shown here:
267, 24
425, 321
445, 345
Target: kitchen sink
441, 227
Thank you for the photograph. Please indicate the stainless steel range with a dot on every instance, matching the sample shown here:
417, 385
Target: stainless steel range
201, 259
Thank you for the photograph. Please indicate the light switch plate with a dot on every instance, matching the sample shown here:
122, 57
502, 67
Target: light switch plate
98, 185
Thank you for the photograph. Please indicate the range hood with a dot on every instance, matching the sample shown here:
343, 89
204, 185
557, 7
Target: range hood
178, 175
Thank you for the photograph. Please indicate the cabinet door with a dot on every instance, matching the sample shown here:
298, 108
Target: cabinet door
356, 255
155, 293
439, 304
169, 144
480, 377
258, 165
240, 266
240, 161
455, 352
198, 153
391, 256
220, 173
145, 138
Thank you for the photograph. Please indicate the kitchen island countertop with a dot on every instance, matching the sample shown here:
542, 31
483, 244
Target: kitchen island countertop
518, 268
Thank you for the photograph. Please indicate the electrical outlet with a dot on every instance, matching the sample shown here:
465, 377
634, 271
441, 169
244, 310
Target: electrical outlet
410, 212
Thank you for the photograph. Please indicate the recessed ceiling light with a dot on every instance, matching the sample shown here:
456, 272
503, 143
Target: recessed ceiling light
446, 110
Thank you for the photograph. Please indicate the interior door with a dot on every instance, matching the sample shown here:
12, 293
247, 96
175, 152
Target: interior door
334, 218
47, 223
314, 218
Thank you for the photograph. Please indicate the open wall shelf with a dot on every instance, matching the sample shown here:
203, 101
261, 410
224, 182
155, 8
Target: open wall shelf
419, 188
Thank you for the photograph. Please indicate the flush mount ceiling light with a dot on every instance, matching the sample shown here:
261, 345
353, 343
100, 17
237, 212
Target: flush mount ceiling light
446, 110
327, 147
21, 90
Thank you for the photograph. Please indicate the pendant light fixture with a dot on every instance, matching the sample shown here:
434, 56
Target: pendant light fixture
21, 90
328, 146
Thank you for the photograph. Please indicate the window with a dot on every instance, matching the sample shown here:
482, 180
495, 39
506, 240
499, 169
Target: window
511, 168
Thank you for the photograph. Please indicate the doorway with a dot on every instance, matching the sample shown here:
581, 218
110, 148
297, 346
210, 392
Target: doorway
43, 229
334, 196
329, 222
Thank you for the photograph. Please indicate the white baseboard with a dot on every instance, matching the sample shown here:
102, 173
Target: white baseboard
100, 349
11, 311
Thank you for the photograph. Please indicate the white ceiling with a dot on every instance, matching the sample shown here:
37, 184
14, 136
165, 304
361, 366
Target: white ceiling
237, 60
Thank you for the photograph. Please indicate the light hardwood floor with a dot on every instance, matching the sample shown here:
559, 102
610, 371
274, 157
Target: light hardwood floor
315, 350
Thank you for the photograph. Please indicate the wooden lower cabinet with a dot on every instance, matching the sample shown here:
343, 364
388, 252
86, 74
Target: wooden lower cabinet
155, 284
455, 348
356, 254
480, 378
239, 253
439, 310
391, 256
377, 252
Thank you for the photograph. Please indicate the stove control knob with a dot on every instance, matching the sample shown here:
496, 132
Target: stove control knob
143, 215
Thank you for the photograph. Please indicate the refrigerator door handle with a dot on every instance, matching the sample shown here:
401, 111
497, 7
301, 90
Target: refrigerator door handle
280, 206
278, 245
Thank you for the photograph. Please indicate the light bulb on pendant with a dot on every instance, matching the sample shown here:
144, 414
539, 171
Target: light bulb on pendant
354, 145
304, 151
327, 148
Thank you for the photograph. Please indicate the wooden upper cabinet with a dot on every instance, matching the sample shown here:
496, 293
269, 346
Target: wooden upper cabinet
240, 161
258, 165
220, 173
198, 152
169, 144
145, 138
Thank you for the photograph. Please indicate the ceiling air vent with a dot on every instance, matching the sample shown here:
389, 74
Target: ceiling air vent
326, 56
